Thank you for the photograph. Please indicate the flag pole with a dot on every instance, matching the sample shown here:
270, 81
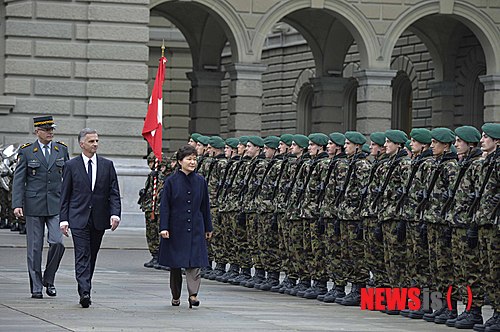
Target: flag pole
155, 179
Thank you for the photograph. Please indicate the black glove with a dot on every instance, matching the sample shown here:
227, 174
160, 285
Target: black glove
472, 236
336, 227
423, 232
320, 226
359, 231
401, 231
446, 236
142, 192
241, 219
274, 222
378, 233
420, 195
154, 174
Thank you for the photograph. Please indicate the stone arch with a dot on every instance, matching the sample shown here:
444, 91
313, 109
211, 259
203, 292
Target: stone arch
404, 92
223, 14
351, 17
302, 97
478, 22
469, 101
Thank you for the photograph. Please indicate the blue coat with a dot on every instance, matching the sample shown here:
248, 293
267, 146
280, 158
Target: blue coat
185, 213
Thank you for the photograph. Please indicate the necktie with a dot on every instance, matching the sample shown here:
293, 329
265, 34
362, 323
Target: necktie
90, 173
46, 152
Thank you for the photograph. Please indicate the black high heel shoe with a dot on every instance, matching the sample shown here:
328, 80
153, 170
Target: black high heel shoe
193, 303
176, 303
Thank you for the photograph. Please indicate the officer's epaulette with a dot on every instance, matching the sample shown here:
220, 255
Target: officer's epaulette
25, 145
62, 143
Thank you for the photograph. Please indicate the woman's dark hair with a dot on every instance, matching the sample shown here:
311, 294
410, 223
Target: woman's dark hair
184, 151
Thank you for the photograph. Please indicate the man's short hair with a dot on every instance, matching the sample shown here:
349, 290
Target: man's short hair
84, 132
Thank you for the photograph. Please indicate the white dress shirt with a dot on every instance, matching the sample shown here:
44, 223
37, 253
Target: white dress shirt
94, 167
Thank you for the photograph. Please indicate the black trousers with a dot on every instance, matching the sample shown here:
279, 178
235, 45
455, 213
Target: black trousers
87, 242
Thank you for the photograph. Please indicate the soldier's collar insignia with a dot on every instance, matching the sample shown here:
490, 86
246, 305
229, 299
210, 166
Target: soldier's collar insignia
56, 148
35, 149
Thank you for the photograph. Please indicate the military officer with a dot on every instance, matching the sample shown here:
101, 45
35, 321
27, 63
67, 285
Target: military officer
36, 194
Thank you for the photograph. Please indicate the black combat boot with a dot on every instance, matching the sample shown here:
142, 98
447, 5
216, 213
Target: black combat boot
493, 320
152, 262
321, 297
447, 314
244, 275
262, 279
219, 270
473, 317
273, 280
232, 272
276, 289
303, 287
353, 298
318, 288
206, 270
259, 275
429, 317
337, 293
288, 286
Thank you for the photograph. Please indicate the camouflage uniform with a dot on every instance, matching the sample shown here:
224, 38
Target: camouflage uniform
296, 227
309, 212
393, 226
374, 248
215, 170
353, 266
416, 231
327, 211
438, 229
489, 230
228, 215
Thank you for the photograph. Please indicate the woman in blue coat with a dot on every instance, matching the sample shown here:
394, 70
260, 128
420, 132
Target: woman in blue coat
185, 225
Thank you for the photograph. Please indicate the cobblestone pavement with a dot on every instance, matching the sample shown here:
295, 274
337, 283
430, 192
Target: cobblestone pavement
128, 297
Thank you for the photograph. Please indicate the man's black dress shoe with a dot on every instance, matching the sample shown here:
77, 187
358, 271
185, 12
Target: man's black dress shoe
37, 295
51, 290
85, 300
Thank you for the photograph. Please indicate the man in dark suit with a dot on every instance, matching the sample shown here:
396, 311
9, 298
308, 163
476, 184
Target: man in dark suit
36, 192
90, 204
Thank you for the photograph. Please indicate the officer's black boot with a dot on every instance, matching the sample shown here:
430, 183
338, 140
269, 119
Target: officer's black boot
244, 275
289, 286
300, 290
206, 270
318, 287
276, 289
447, 314
353, 298
259, 275
468, 319
337, 293
273, 280
493, 320
220, 269
152, 262
232, 272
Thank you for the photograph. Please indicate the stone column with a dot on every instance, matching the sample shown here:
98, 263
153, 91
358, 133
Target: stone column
443, 103
374, 100
245, 98
327, 112
204, 106
491, 97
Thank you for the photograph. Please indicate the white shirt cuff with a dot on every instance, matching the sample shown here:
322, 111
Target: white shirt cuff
113, 216
63, 223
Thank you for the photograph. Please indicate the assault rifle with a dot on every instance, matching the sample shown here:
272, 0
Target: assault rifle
364, 192
465, 165
261, 182
278, 179
302, 189
200, 162
222, 181
491, 165
288, 190
323, 184
407, 188
229, 185
428, 191
350, 170
244, 187
394, 163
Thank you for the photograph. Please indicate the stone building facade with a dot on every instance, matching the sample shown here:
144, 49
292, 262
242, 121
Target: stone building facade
244, 67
